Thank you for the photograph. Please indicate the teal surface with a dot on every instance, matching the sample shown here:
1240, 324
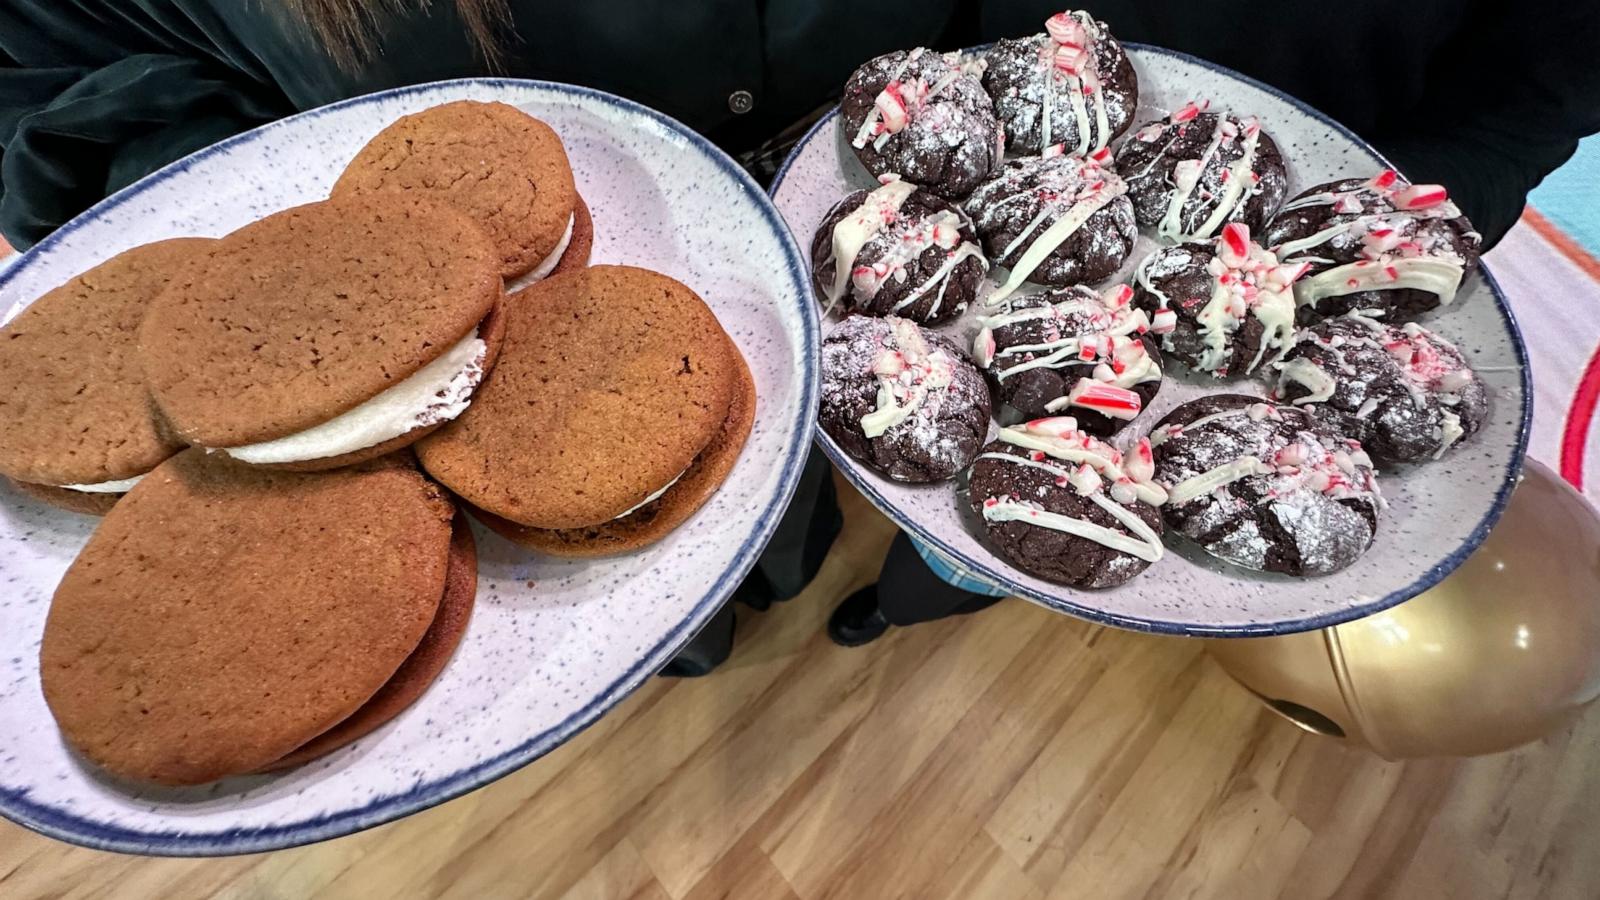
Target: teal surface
1570, 196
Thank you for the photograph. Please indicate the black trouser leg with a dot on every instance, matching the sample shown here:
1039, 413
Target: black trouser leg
801, 541
909, 592
787, 565
706, 650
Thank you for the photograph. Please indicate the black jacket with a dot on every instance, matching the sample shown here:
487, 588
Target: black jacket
96, 93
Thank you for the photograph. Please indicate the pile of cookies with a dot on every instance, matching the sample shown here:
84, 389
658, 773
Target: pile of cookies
1315, 296
286, 428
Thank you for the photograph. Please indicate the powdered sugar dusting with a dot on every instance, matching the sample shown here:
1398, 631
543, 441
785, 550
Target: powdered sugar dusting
937, 438
949, 140
1033, 97
1276, 491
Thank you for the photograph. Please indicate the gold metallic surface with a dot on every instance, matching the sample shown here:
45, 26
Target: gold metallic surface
1502, 652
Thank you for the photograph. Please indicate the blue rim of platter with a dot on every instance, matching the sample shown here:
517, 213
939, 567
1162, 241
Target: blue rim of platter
64, 825
1433, 576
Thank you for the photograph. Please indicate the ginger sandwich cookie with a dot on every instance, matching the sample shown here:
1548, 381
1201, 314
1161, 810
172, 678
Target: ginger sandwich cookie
498, 165
618, 407
327, 334
78, 427
223, 617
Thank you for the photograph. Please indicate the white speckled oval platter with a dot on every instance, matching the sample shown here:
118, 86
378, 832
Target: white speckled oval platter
1438, 514
552, 644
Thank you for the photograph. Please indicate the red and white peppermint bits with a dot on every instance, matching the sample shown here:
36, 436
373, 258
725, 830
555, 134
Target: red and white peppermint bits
889, 364
1384, 180
1070, 59
1189, 111
1163, 321
1116, 402
1420, 196
1233, 245
891, 106
1064, 28
1053, 150
1140, 464
1116, 296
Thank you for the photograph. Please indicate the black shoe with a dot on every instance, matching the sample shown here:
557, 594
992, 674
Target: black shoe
857, 619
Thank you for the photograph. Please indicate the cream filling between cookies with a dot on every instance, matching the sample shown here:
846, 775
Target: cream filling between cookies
543, 270
120, 486
656, 495
438, 392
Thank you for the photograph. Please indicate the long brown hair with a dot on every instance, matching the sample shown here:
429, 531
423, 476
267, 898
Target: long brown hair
348, 28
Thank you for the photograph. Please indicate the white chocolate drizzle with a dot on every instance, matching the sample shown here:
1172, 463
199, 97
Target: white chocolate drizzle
1383, 215
1311, 376
906, 373
877, 211
1096, 188
1099, 473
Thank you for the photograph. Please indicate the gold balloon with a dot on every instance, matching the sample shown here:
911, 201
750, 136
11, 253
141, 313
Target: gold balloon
1502, 652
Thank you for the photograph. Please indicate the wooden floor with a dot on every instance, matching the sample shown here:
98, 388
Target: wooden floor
1012, 754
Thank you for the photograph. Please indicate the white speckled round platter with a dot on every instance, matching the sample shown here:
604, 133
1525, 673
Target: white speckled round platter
552, 644
1438, 513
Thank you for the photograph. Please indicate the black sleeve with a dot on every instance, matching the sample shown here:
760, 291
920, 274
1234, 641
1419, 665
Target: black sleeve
78, 122
1505, 107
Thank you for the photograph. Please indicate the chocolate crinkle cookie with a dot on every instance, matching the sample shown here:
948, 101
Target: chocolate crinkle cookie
1404, 392
898, 250
1381, 247
904, 401
1066, 507
1195, 171
1072, 85
925, 117
1265, 486
1057, 220
1071, 351
1222, 307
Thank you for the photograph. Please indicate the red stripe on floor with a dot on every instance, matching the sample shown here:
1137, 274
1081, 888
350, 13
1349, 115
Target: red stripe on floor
1580, 414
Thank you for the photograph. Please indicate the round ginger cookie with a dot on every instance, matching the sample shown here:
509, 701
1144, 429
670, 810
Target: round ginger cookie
611, 381
502, 167
655, 519
222, 616
308, 313
418, 672
74, 408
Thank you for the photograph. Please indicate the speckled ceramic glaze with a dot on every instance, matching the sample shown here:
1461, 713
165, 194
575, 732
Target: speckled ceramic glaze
552, 644
1438, 513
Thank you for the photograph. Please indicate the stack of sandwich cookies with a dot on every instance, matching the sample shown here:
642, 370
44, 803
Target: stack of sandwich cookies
379, 332
77, 425
617, 408
501, 167
165, 660
421, 668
